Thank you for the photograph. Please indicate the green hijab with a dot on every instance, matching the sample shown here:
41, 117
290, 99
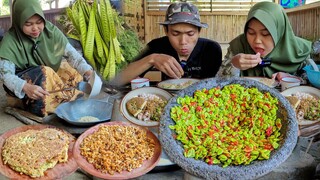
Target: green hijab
290, 52
25, 51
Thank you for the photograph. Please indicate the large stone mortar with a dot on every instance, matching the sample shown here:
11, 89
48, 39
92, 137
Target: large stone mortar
174, 149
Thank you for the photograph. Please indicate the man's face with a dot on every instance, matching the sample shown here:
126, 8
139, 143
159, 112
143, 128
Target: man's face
33, 26
183, 38
259, 38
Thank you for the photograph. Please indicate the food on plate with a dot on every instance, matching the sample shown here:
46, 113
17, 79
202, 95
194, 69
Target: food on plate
32, 152
294, 101
308, 107
181, 85
136, 105
232, 125
146, 107
88, 119
267, 81
115, 148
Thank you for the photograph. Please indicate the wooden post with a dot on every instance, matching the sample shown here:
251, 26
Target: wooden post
145, 6
10, 4
57, 4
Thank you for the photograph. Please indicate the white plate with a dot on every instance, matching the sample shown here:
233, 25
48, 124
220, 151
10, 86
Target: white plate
176, 84
304, 89
134, 93
261, 79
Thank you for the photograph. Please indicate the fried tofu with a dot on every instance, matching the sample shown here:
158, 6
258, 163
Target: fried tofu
294, 101
135, 105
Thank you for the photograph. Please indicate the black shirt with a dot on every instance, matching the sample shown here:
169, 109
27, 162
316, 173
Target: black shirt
203, 62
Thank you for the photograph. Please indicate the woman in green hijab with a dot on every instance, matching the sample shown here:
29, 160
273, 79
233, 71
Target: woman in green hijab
31, 65
268, 36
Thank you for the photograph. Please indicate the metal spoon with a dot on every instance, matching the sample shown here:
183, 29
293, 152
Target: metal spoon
81, 86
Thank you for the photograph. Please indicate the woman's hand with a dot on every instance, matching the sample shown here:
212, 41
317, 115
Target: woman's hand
245, 61
168, 65
279, 75
34, 92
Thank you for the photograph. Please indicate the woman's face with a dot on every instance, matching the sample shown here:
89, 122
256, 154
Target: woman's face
259, 38
183, 38
33, 26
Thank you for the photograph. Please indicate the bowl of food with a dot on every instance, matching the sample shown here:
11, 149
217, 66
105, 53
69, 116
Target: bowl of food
85, 112
305, 100
233, 128
144, 106
117, 150
313, 76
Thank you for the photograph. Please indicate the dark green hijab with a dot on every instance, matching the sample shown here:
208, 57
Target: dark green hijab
290, 52
20, 48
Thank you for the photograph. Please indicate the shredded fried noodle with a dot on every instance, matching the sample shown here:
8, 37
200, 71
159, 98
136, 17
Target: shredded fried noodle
115, 148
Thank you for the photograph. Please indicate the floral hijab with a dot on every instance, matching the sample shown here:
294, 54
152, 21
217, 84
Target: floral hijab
26, 52
290, 52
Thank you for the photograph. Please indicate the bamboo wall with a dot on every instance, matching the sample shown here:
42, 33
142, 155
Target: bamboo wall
51, 15
225, 19
224, 25
305, 21
5, 23
222, 28
133, 13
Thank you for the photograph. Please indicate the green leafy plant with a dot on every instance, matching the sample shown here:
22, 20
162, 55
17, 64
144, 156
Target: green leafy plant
98, 28
130, 44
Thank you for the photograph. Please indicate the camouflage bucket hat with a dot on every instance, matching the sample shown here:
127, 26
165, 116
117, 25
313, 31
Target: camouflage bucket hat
183, 12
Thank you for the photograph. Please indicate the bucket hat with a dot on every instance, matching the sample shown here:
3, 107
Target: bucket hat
183, 12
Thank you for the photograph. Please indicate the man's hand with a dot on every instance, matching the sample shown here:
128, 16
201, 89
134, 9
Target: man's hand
245, 61
34, 92
168, 65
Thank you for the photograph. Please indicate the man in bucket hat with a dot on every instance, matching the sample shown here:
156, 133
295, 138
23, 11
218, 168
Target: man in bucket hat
181, 53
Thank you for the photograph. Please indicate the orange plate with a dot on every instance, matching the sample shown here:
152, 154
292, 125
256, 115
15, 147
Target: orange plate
89, 168
57, 172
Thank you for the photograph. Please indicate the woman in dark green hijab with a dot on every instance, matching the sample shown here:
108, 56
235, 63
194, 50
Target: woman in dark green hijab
31, 65
267, 35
